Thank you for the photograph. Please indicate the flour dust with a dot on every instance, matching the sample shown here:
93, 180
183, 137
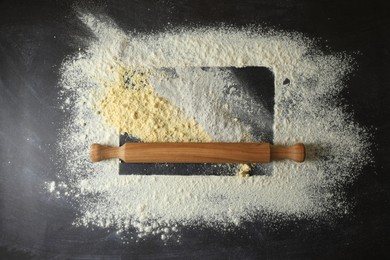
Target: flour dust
305, 111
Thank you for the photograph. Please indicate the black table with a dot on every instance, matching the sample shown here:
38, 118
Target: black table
35, 226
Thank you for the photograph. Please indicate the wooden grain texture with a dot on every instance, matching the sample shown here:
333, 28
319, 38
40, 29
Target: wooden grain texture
198, 152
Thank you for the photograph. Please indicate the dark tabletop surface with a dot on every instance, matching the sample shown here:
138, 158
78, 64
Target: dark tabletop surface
34, 226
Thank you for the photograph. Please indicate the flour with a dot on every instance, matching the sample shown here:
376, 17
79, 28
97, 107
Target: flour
132, 107
200, 93
307, 83
51, 186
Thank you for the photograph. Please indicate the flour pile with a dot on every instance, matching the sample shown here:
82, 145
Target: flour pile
305, 111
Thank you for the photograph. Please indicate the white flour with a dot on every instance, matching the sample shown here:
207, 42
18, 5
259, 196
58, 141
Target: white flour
305, 111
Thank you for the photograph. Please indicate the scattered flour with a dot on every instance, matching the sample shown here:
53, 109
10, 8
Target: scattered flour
51, 186
201, 93
305, 111
132, 106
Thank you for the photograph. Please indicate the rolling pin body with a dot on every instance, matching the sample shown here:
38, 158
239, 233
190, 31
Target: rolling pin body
198, 152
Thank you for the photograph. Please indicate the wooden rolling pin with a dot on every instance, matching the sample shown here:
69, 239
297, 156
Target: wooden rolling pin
198, 152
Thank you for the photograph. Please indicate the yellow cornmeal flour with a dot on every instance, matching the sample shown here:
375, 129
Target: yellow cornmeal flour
132, 106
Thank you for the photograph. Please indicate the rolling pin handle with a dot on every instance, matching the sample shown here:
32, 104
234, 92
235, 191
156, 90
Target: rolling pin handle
102, 152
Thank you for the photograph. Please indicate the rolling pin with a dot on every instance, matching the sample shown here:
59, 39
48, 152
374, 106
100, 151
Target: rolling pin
198, 152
